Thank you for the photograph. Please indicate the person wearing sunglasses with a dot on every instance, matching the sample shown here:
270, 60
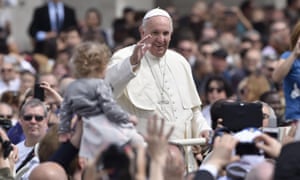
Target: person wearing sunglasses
34, 125
215, 88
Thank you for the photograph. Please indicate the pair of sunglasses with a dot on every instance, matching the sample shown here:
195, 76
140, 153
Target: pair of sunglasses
219, 90
36, 117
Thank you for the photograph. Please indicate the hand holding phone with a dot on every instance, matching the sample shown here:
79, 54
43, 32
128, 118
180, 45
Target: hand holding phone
39, 92
273, 132
269, 145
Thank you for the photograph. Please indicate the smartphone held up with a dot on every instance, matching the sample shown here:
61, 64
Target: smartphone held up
39, 92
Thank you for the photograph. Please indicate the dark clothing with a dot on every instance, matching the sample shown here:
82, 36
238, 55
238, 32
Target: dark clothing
15, 134
287, 164
237, 77
65, 155
194, 27
41, 22
203, 175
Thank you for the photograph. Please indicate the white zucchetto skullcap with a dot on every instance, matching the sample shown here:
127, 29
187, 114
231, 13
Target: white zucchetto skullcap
157, 12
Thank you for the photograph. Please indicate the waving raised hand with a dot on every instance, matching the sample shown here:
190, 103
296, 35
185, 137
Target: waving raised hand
140, 49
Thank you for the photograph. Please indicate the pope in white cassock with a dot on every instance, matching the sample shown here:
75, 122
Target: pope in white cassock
148, 78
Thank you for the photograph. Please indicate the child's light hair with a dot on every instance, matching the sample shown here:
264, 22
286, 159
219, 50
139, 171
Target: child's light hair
90, 59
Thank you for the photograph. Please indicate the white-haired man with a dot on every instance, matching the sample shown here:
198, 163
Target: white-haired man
148, 78
33, 119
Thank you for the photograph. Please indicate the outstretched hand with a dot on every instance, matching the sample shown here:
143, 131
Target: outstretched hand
157, 140
222, 151
140, 49
157, 147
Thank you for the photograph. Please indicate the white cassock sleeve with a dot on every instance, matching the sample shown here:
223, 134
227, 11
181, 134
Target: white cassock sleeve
118, 76
199, 123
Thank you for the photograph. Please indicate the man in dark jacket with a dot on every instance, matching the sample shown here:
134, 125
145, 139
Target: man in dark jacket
47, 22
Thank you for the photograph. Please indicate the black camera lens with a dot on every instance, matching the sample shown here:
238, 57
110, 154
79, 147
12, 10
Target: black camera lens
6, 124
7, 147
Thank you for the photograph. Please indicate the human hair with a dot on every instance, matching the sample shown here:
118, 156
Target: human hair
295, 35
97, 13
256, 84
27, 72
290, 2
73, 28
60, 64
264, 97
49, 144
11, 97
221, 82
33, 103
272, 116
246, 4
47, 74
90, 58
127, 9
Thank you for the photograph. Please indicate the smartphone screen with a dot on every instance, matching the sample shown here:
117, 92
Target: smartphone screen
39, 92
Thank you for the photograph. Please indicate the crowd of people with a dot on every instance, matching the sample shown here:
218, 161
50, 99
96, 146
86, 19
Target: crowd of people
166, 96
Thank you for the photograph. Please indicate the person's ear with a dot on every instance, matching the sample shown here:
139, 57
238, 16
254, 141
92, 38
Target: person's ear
141, 30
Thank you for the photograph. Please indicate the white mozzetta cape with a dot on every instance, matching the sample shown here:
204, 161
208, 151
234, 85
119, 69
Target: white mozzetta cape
142, 86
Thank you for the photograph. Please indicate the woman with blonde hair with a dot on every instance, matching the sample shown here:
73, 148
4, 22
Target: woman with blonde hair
252, 87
